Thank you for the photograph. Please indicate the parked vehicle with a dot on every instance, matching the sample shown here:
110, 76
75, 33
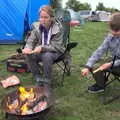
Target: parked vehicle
103, 15
86, 14
89, 15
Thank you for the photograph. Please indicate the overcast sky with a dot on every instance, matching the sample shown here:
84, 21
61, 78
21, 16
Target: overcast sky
93, 3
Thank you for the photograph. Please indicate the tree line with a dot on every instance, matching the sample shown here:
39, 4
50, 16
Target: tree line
77, 6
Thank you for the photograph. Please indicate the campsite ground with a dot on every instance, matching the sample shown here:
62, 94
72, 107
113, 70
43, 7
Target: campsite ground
72, 101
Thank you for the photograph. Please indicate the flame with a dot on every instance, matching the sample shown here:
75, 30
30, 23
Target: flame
24, 109
26, 97
26, 94
14, 105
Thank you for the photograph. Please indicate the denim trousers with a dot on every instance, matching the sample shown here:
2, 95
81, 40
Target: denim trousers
47, 59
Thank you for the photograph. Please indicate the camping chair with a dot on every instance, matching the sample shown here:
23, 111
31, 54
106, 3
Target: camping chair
65, 59
115, 72
64, 17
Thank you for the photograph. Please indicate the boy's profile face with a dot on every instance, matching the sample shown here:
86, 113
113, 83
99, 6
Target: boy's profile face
115, 33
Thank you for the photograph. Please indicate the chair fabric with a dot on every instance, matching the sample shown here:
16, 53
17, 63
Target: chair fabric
65, 58
115, 72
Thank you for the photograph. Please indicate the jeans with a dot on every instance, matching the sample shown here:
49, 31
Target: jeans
47, 59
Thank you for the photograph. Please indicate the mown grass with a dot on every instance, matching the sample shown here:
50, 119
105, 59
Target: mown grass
72, 101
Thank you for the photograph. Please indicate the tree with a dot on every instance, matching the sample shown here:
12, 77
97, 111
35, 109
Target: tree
87, 6
56, 3
77, 6
100, 7
73, 4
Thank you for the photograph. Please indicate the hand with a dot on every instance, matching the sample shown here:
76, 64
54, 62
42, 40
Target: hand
85, 72
105, 66
37, 49
26, 51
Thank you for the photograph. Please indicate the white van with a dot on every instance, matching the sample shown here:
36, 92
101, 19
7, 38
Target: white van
86, 14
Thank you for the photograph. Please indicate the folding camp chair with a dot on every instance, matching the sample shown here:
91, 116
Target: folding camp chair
65, 59
115, 72
64, 17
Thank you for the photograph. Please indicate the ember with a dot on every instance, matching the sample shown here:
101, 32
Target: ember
27, 101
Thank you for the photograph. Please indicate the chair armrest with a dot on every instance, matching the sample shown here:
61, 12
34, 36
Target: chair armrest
71, 45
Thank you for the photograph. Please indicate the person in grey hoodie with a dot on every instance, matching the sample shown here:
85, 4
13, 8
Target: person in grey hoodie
112, 44
44, 44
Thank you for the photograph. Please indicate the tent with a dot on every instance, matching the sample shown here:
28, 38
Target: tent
76, 19
16, 16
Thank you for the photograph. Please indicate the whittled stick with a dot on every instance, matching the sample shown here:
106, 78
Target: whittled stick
31, 52
98, 69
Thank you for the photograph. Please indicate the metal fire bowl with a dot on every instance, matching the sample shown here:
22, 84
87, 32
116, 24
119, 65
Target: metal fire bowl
38, 91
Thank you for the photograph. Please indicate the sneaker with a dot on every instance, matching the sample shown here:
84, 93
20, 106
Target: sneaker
95, 89
37, 78
40, 84
39, 81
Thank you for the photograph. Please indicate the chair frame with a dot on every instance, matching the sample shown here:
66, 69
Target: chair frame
116, 77
66, 65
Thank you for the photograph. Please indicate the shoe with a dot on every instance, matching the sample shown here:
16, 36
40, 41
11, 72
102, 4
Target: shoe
40, 84
37, 78
39, 81
95, 89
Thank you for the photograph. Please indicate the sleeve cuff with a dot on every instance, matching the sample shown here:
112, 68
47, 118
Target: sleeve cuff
86, 66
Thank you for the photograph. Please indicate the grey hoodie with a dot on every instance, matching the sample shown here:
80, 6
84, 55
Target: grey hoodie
110, 43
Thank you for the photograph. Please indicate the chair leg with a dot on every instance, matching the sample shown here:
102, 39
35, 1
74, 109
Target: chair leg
115, 97
111, 99
66, 69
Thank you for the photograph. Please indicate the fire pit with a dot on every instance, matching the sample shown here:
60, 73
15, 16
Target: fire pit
29, 103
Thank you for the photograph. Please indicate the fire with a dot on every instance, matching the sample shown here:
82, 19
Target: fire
26, 98
14, 105
24, 109
24, 95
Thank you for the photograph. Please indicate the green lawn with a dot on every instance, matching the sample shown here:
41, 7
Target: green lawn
72, 101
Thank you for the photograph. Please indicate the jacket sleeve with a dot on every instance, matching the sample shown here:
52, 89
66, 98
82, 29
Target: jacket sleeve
32, 40
98, 53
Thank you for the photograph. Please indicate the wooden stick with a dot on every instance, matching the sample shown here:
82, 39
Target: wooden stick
98, 69
31, 52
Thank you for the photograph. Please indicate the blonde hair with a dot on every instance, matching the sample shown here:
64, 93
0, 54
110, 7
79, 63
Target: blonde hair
48, 9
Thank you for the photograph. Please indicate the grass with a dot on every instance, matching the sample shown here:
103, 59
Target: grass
72, 101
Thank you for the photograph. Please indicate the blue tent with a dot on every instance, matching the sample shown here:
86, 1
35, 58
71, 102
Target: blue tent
16, 16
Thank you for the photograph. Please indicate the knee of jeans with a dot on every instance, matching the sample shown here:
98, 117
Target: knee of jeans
48, 57
30, 57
